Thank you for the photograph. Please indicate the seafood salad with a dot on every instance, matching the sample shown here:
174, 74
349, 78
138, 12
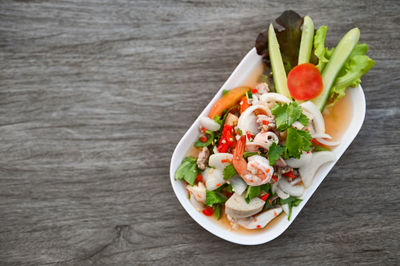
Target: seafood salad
260, 147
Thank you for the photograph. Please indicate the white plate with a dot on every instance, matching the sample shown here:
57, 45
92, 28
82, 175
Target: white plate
249, 63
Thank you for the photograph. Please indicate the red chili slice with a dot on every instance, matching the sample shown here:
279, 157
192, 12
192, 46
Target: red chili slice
208, 211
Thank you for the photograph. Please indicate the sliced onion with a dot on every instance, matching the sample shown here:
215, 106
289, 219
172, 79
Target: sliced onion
248, 120
209, 124
327, 142
238, 185
307, 172
282, 194
321, 135
274, 97
318, 119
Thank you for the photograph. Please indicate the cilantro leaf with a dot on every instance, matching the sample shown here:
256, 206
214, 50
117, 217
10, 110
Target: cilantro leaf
287, 114
217, 211
291, 202
296, 142
218, 119
210, 139
213, 197
274, 153
320, 148
229, 171
187, 170
247, 154
253, 192
224, 92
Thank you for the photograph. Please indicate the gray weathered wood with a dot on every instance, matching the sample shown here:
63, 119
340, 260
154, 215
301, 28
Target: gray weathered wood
94, 96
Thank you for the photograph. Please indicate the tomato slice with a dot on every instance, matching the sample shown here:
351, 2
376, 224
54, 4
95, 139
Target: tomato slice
305, 82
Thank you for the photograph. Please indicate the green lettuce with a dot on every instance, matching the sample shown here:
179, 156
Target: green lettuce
350, 76
320, 51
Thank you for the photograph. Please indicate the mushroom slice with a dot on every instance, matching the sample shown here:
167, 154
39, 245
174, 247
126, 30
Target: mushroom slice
260, 220
237, 207
308, 171
293, 190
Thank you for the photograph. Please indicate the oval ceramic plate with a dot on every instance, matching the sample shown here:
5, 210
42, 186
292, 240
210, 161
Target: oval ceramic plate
248, 65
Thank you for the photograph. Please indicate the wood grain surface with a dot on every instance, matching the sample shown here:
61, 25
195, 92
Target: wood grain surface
95, 95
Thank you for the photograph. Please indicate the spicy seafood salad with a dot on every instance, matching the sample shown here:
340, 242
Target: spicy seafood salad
259, 148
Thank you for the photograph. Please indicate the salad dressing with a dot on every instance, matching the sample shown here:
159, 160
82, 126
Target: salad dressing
338, 118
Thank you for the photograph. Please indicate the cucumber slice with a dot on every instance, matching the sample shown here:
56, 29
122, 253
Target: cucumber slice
278, 71
335, 64
306, 44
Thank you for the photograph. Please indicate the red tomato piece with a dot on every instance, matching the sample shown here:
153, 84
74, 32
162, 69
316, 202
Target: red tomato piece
208, 211
305, 82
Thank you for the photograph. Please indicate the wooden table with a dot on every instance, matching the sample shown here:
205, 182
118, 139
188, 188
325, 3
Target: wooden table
95, 95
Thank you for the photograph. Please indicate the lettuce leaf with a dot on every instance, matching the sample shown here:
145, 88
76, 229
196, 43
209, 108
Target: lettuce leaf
320, 51
350, 76
187, 170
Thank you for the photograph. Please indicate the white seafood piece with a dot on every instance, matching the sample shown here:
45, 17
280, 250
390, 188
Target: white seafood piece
238, 185
297, 125
231, 120
209, 124
260, 220
220, 160
328, 142
293, 190
215, 150
214, 178
197, 205
274, 187
237, 207
263, 140
304, 159
271, 98
318, 119
308, 171
198, 192
259, 171
248, 119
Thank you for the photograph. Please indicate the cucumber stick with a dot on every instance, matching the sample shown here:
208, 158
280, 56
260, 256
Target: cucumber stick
335, 64
307, 38
278, 71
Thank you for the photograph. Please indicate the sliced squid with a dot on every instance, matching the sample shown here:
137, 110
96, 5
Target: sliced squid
271, 98
198, 192
248, 120
308, 171
237, 207
197, 205
209, 124
260, 220
220, 160
263, 140
214, 178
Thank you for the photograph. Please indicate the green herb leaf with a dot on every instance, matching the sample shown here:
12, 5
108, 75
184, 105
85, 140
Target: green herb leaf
218, 119
274, 153
247, 154
296, 142
252, 192
217, 211
291, 202
287, 114
210, 139
229, 171
229, 188
239, 131
224, 92
213, 197
320, 148
187, 170
249, 95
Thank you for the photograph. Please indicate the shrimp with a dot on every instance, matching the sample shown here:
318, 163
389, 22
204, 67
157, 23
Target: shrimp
257, 171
